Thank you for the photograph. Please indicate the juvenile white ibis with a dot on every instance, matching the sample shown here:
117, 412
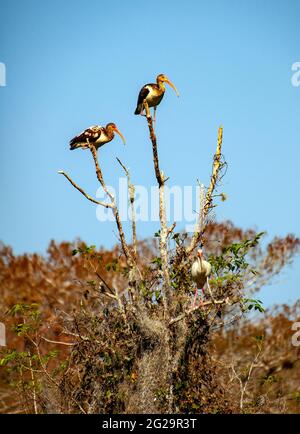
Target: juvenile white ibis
95, 135
153, 93
201, 270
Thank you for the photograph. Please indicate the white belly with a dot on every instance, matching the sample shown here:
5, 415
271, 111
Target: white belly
200, 273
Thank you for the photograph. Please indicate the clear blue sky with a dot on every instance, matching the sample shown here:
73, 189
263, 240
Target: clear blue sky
72, 64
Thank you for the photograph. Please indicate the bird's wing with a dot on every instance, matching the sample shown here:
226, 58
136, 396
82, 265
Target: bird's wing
92, 134
142, 95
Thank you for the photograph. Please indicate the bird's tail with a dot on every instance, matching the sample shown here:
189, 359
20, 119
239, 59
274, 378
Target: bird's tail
139, 109
75, 145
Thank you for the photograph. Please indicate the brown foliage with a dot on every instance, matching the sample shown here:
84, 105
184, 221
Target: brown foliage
266, 344
114, 344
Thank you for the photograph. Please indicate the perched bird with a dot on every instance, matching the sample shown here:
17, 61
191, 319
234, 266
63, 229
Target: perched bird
96, 136
153, 93
201, 270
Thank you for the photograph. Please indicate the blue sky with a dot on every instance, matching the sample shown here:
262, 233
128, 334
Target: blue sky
72, 64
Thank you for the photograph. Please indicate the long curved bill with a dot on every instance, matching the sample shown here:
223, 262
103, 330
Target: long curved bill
121, 135
172, 85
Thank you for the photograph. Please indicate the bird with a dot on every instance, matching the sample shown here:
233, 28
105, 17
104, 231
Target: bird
95, 135
200, 272
153, 93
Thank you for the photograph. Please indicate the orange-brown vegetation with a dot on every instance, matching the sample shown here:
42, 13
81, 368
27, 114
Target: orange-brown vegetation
80, 340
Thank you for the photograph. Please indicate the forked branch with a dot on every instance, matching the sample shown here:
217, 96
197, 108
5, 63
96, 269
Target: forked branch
114, 207
111, 205
97, 202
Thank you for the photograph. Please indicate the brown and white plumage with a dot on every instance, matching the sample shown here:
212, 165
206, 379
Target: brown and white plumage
200, 272
95, 135
153, 93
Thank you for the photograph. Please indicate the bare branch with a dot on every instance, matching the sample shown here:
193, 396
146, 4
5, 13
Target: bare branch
131, 190
114, 206
244, 384
83, 338
103, 281
58, 342
158, 174
224, 324
33, 384
217, 164
51, 379
106, 205
162, 213
171, 228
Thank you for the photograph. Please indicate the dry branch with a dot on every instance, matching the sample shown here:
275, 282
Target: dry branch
106, 205
50, 378
158, 173
163, 247
114, 207
244, 382
34, 397
217, 164
131, 190
59, 342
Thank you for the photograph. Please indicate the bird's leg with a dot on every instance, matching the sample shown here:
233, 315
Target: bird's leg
154, 115
195, 298
147, 110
